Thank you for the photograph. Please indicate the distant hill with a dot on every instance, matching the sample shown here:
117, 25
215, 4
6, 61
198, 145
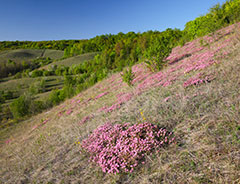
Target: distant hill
73, 60
20, 55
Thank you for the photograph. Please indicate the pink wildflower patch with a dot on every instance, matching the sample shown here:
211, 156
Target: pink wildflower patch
101, 95
61, 113
166, 99
69, 111
121, 98
85, 119
196, 80
121, 148
102, 109
45, 121
8, 141
35, 127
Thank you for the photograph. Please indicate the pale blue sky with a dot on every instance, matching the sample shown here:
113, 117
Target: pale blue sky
81, 19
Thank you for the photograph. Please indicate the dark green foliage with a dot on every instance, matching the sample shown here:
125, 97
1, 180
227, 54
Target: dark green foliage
57, 45
7, 95
54, 98
11, 67
219, 16
36, 107
20, 107
127, 76
42, 85
37, 73
2, 97
18, 75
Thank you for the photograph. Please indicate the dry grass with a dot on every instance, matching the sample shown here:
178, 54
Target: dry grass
205, 119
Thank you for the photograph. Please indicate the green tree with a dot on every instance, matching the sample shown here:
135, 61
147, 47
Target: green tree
20, 106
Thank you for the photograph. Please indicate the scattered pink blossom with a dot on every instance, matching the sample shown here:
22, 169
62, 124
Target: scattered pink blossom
166, 99
69, 111
100, 95
85, 119
8, 141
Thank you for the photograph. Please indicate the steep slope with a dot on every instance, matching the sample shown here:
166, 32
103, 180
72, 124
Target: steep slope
196, 96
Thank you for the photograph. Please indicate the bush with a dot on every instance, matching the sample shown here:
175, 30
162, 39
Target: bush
8, 95
2, 98
20, 106
37, 73
121, 148
127, 76
18, 75
34, 88
46, 73
42, 85
54, 98
36, 107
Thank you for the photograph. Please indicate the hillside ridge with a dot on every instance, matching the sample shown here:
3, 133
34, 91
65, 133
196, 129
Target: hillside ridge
196, 96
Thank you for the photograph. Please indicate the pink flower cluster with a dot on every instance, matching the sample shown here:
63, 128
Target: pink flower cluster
196, 80
85, 119
41, 124
121, 98
101, 95
121, 148
60, 113
69, 111
8, 141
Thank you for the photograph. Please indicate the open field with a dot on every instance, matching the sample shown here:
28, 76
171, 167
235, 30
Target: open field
21, 55
24, 83
196, 96
75, 60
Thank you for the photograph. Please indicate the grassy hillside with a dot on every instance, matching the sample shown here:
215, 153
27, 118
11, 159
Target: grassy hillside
24, 83
14, 61
20, 55
75, 60
196, 96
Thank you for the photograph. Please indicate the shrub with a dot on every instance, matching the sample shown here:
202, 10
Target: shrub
121, 148
8, 95
18, 75
42, 85
37, 73
2, 98
127, 76
54, 98
34, 88
20, 106
36, 107
46, 73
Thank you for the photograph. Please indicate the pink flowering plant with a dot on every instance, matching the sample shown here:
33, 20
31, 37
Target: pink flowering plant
121, 148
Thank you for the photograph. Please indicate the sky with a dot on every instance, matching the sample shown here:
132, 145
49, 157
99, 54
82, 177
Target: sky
37, 20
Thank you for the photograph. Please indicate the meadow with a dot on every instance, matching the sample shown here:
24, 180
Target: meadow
152, 107
195, 99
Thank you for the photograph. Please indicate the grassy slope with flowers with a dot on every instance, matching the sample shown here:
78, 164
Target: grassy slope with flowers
196, 96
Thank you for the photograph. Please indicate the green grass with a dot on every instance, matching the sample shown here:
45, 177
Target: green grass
53, 54
24, 83
20, 55
73, 60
